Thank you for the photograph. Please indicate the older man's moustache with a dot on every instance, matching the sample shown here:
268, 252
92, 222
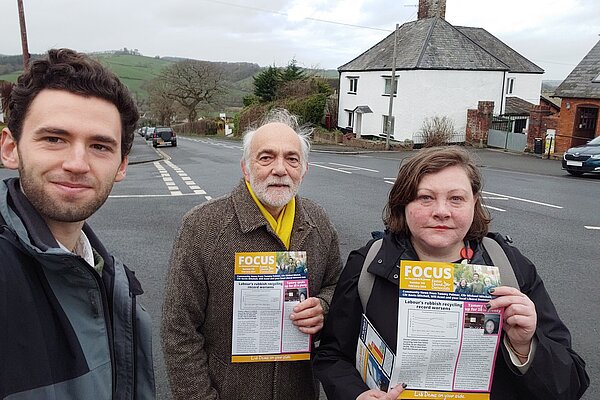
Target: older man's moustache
279, 183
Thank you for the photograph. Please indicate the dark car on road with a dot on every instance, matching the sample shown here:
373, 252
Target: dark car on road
148, 132
164, 135
583, 159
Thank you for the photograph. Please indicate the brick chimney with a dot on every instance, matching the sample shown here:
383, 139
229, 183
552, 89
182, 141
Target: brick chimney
432, 8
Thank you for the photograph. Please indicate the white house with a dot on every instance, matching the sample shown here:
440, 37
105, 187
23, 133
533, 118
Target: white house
441, 70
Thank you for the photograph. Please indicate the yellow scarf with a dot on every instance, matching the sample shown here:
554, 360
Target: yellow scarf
285, 221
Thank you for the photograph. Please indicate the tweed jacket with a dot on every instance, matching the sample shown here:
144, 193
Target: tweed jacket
197, 312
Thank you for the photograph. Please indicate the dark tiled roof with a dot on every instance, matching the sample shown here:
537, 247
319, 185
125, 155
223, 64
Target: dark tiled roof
433, 43
500, 50
584, 80
430, 43
517, 106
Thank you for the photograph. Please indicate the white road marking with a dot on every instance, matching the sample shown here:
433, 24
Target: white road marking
494, 208
333, 169
524, 200
214, 143
352, 167
593, 228
390, 182
138, 196
171, 185
494, 198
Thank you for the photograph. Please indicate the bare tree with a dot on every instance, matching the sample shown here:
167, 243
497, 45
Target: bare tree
160, 104
191, 83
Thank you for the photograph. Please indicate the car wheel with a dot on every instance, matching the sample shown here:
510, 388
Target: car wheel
575, 173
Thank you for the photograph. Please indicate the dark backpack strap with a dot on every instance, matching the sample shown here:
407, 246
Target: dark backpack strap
500, 260
366, 280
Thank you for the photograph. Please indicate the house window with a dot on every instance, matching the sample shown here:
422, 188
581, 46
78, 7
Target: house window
388, 86
353, 82
587, 118
510, 85
385, 125
520, 124
350, 118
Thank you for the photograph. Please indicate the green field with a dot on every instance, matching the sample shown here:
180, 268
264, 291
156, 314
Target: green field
132, 70
12, 77
136, 70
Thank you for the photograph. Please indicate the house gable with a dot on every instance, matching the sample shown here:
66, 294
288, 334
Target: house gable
515, 61
584, 81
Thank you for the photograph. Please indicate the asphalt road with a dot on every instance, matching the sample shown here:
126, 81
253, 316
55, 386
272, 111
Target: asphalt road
545, 211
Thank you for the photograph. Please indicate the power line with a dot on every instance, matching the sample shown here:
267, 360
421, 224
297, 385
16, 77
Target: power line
287, 15
341, 23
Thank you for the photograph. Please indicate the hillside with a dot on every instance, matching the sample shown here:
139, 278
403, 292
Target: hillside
135, 70
550, 85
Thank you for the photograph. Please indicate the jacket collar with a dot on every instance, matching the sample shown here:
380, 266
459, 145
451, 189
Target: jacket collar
28, 224
393, 249
250, 217
38, 233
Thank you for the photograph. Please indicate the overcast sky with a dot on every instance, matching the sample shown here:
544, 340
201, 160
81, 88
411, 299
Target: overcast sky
555, 35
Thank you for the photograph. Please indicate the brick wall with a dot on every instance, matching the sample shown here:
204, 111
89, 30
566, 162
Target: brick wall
566, 123
478, 122
539, 116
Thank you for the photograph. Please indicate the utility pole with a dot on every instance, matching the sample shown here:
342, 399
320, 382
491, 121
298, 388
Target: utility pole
392, 87
23, 35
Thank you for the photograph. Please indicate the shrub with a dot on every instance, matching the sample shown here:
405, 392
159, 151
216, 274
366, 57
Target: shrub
437, 131
310, 110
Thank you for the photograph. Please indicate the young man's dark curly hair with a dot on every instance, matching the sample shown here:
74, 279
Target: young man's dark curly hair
77, 73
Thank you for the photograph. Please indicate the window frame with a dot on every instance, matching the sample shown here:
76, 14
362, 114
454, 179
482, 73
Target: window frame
386, 79
352, 81
510, 85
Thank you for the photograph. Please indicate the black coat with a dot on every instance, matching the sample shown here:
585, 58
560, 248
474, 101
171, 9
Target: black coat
556, 371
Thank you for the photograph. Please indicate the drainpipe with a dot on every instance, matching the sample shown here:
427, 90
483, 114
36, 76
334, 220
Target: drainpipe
502, 94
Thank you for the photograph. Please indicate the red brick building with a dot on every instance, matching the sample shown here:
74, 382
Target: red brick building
579, 119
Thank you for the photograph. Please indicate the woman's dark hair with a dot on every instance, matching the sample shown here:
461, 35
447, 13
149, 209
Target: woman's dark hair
428, 161
65, 69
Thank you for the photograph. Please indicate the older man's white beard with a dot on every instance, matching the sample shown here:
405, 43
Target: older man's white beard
274, 196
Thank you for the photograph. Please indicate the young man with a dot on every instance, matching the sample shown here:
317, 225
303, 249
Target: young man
262, 214
71, 325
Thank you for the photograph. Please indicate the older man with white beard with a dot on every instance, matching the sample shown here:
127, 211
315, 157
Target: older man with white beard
262, 214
